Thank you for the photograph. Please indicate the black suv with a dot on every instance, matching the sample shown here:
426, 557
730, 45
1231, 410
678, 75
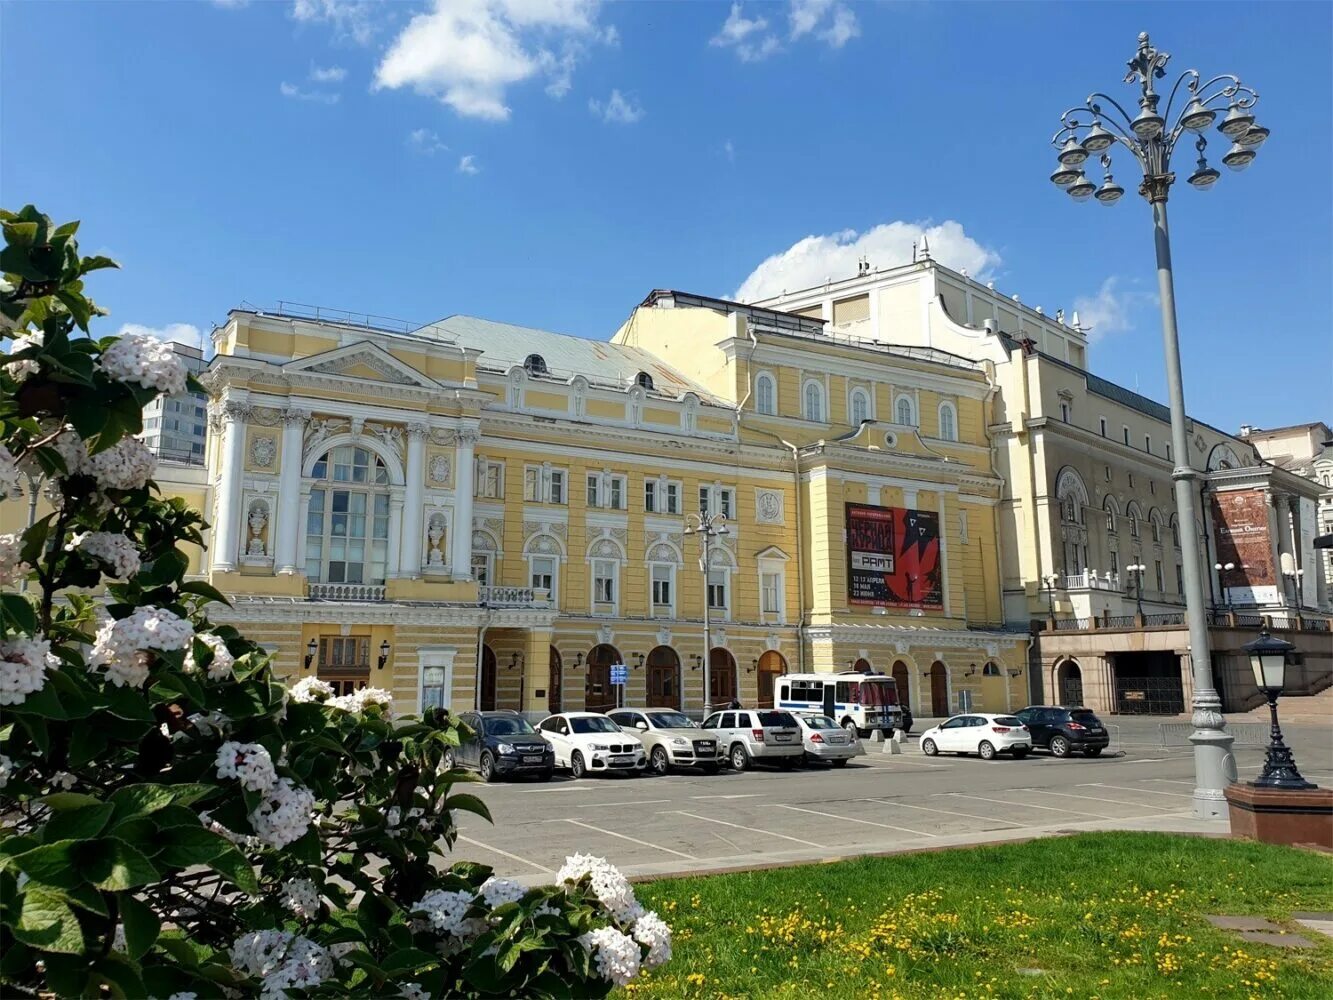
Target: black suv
1065, 730
504, 743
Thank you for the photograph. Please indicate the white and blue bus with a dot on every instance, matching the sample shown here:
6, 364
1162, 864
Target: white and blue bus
858, 702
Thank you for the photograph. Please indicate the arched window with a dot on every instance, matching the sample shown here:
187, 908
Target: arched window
860, 407
1155, 520
948, 422
1112, 512
1175, 531
765, 395
1135, 516
644, 379
904, 412
347, 528
814, 402
534, 364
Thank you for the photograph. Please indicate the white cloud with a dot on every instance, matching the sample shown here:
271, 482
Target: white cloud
805, 15
729, 151
749, 37
297, 94
616, 109
332, 74
468, 165
354, 19
468, 53
844, 28
425, 142
179, 333
830, 21
231, 3
1109, 311
809, 261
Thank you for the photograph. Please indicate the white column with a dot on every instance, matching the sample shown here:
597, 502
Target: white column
464, 470
227, 529
289, 490
414, 503
395, 534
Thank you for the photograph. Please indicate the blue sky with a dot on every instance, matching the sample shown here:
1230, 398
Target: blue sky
548, 162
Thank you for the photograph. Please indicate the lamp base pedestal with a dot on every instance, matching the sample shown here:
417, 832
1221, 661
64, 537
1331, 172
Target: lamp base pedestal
1282, 816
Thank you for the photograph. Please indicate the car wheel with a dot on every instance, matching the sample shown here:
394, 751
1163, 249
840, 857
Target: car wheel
987, 750
839, 763
929, 748
576, 765
1059, 746
487, 767
448, 761
740, 758
1019, 754
1094, 751
659, 762
850, 726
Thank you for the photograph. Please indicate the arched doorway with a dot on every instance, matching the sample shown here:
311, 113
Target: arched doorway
663, 678
721, 677
1069, 682
599, 695
486, 701
771, 667
555, 683
993, 690
900, 681
939, 689
862, 666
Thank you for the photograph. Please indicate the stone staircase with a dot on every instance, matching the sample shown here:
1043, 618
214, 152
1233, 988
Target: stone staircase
1295, 708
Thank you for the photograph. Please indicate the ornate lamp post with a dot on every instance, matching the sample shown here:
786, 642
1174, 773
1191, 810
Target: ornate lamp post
1050, 579
1151, 137
1135, 573
1268, 660
1226, 591
706, 526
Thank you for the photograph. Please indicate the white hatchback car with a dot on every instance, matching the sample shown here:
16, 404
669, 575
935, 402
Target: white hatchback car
986, 735
589, 741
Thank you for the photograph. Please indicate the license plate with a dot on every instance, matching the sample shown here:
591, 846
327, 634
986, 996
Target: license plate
623, 758
534, 759
1094, 729
781, 738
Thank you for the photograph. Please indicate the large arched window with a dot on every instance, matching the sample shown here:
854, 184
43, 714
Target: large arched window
347, 527
948, 422
1135, 516
814, 401
1155, 521
860, 407
765, 395
904, 412
1112, 512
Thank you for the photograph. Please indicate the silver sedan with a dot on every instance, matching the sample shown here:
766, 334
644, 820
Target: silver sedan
825, 740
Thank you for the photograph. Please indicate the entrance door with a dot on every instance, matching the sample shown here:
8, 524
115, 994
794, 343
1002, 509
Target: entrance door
553, 685
1069, 682
939, 690
771, 667
900, 682
722, 677
599, 695
487, 679
663, 678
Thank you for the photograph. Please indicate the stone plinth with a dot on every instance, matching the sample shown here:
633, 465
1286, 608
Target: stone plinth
1280, 816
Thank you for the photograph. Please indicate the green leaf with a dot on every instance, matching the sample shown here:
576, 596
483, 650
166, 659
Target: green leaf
407, 960
68, 977
120, 866
166, 568
140, 800
233, 864
60, 801
469, 803
85, 744
204, 590
185, 846
21, 234
85, 897
78, 824
141, 926
55, 864
46, 922
44, 703
121, 975
18, 614
96, 263
127, 703
86, 414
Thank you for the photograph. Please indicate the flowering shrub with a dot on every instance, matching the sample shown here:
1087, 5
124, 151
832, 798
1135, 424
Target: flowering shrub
175, 822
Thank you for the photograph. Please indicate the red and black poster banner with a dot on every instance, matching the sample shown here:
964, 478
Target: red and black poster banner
893, 557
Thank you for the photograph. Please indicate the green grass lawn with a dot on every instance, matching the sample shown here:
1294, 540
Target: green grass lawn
1095, 916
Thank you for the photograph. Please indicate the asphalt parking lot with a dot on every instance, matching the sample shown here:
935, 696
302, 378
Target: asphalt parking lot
690, 822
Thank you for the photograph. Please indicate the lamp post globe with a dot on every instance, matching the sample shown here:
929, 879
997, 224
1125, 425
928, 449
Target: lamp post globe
1268, 661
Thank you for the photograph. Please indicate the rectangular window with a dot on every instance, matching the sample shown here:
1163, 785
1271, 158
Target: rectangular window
1064, 412
1147, 444
1101, 425
1161, 582
543, 573
481, 568
724, 503
532, 484
1180, 579
604, 581
704, 492
672, 498
1126, 430
650, 496
594, 491
662, 587
1115, 561
717, 589
770, 593
556, 493
1168, 451
433, 694
490, 480
617, 499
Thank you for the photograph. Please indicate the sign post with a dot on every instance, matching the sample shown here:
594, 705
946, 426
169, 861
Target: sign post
619, 678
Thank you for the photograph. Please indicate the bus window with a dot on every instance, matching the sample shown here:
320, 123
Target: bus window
879, 692
782, 693
807, 691
848, 693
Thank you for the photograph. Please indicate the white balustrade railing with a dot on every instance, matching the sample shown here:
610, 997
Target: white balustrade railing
514, 597
346, 592
1092, 580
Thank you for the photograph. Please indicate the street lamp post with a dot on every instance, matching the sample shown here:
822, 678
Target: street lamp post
1135, 572
1051, 579
1268, 660
1293, 576
707, 527
1226, 592
1151, 137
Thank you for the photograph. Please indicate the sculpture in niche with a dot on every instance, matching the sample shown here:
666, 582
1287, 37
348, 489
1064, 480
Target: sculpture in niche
257, 521
262, 451
439, 469
435, 541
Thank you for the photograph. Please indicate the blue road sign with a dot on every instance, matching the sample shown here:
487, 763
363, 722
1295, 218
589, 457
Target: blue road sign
619, 673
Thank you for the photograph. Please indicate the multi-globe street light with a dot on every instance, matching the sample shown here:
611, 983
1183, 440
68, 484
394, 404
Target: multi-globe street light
707, 527
1151, 138
1226, 591
1135, 572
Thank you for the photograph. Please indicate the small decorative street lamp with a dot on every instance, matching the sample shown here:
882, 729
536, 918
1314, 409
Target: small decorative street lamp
383, 660
1226, 591
1294, 577
1051, 579
1268, 660
707, 527
311, 648
1136, 572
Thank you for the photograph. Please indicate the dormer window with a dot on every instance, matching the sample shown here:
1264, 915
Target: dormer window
644, 380
535, 364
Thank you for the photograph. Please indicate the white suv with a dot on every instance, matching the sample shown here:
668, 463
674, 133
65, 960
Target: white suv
749, 735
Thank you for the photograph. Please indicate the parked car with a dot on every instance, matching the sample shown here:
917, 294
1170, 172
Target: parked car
977, 733
504, 744
826, 741
589, 741
670, 739
1064, 730
757, 735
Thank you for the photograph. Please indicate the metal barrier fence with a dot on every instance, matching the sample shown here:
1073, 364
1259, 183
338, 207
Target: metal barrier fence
1245, 734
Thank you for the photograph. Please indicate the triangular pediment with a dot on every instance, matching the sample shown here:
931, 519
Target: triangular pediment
773, 553
362, 362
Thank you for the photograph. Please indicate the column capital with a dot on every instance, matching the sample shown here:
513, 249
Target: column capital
417, 430
295, 415
468, 436
234, 409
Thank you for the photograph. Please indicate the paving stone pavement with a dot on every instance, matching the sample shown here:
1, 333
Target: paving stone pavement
1258, 930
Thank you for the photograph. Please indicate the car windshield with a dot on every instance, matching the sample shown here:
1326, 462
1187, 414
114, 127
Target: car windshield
819, 722
1007, 720
776, 719
879, 692
507, 727
671, 720
592, 724
1084, 717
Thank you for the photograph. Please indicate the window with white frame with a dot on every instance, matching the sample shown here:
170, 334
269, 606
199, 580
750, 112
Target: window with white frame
948, 422
542, 484
663, 589
904, 411
1125, 431
605, 573
482, 567
347, 524
1066, 411
717, 498
814, 401
718, 580
860, 407
490, 480
766, 394
544, 574
433, 692
605, 490
661, 496
770, 593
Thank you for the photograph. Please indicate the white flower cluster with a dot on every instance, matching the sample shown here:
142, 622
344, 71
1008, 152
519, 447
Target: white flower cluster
446, 912
498, 891
120, 646
309, 689
361, 699
249, 763
114, 549
281, 961
12, 568
6, 769
395, 820
9, 474
610, 887
126, 465
23, 666
301, 897
616, 955
151, 363
222, 663
284, 815
413, 991
652, 931
20, 370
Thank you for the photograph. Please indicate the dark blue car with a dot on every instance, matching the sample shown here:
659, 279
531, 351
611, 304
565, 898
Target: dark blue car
504, 744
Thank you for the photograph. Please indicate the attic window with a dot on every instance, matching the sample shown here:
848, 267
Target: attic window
644, 380
535, 364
